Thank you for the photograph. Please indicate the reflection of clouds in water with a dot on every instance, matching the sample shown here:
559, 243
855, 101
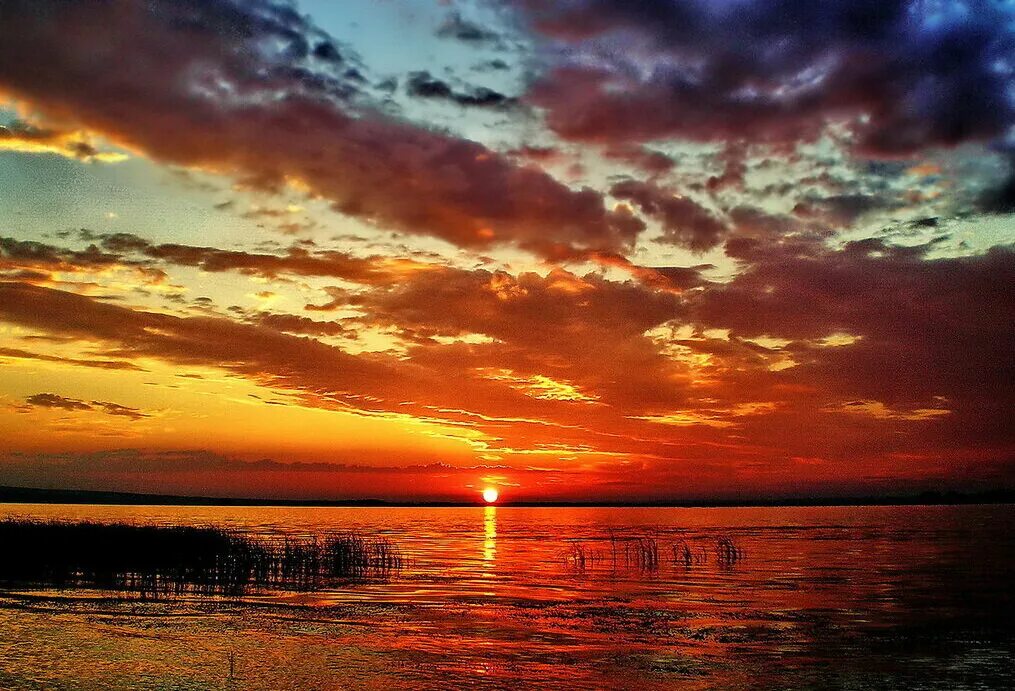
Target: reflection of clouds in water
823, 596
489, 533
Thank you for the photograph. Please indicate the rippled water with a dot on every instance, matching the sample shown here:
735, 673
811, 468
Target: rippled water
857, 597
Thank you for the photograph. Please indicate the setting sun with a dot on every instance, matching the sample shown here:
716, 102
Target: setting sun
490, 495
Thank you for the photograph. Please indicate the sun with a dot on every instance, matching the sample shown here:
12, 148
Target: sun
490, 495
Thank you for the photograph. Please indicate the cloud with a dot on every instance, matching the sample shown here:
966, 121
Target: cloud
23, 254
126, 250
904, 75
52, 400
919, 329
685, 222
18, 354
584, 333
424, 85
800, 357
23, 138
295, 324
254, 351
713, 378
119, 410
841, 210
247, 90
296, 260
457, 27
649, 161
583, 330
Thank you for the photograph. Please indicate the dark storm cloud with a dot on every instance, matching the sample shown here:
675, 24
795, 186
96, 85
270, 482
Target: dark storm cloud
244, 88
906, 74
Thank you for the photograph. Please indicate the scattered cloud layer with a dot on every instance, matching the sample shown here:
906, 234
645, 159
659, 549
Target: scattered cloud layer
606, 249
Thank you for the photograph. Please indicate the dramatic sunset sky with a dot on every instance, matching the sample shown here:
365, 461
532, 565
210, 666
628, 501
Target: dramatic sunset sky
583, 250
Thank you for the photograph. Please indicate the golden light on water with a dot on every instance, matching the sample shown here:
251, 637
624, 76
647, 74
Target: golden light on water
489, 536
490, 495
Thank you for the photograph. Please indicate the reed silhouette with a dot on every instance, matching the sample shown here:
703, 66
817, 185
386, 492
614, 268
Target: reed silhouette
157, 561
726, 551
685, 555
642, 553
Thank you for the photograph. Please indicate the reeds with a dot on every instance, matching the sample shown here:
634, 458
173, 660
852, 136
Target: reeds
169, 560
633, 551
642, 553
627, 552
686, 556
726, 551
577, 557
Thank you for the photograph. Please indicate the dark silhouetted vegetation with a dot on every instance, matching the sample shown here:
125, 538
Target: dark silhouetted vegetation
726, 551
578, 557
170, 560
643, 553
685, 555
639, 552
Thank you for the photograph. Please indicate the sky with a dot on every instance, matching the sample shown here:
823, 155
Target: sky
586, 250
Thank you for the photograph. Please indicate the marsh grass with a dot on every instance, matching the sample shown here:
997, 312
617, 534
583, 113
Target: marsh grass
578, 557
727, 553
687, 556
642, 553
616, 553
157, 561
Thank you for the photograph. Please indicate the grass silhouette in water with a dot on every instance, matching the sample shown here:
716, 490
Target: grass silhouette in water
684, 554
642, 553
726, 552
170, 560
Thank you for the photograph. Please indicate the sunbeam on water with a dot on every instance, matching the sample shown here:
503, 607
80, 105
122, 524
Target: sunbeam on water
489, 535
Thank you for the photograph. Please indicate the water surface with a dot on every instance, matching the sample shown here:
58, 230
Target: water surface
844, 597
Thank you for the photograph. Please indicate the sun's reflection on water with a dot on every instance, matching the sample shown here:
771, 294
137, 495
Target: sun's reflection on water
490, 536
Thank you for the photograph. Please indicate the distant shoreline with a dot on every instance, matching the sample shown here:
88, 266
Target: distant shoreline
31, 495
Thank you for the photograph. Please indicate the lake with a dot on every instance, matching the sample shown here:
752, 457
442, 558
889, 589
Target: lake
558, 598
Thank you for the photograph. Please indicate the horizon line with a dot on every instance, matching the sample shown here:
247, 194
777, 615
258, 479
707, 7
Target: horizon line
37, 495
